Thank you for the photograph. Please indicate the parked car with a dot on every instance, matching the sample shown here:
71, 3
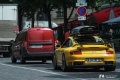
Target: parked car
33, 44
84, 50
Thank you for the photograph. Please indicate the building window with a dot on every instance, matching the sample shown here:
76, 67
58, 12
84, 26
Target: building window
60, 13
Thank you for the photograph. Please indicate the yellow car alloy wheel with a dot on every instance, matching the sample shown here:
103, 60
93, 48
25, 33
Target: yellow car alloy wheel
64, 67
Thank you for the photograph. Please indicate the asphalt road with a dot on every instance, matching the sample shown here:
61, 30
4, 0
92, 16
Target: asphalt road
36, 70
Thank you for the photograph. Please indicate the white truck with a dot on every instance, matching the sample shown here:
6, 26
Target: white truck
8, 23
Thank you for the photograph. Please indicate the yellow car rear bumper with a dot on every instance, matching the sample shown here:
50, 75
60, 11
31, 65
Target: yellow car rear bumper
72, 61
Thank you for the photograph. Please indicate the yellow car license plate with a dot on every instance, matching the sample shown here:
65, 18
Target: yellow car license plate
94, 59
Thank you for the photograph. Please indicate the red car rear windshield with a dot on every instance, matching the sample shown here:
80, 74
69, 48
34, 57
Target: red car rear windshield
35, 35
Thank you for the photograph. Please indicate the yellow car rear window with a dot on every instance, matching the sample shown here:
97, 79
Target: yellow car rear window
88, 39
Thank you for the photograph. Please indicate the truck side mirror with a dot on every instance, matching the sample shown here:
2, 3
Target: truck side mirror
11, 41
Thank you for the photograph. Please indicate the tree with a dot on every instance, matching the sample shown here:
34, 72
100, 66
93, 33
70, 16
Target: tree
47, 7
28, 8
5, 1
65, 4
96, 4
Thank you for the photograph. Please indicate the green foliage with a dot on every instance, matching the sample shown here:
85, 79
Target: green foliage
96, 4
28, 5
5, 1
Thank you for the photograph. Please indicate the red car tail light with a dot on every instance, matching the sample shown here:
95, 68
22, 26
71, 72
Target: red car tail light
109, 52
76, 53
56, 41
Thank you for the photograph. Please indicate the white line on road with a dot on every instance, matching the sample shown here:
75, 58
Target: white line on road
31, 69
48, 72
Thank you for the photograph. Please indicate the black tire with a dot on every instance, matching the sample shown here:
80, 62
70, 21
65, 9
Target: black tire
13, 59
22, 59
54, 61
96, 68
44, 60
10, 51
8, 54
110, 68
4, 55
64, 67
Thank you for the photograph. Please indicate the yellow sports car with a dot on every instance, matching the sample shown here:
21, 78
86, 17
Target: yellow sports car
84, 51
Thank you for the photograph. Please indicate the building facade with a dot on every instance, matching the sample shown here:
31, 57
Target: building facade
57, 15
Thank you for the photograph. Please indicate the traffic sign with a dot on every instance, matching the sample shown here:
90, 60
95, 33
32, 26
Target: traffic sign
81, 11
82, 18
81, 3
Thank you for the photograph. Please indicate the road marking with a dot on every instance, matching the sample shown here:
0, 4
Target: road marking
29, 69
48, 72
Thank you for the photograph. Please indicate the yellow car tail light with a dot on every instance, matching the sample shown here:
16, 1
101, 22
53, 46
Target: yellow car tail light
75, 52
109, 52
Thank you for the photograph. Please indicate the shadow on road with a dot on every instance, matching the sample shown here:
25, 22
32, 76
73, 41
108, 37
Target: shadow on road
27, 63
82, 70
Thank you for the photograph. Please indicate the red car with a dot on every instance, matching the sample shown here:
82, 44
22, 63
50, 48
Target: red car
33, 44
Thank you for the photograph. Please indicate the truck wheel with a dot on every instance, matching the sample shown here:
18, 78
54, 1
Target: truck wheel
44, 60
7, 54
13, 59
22, 59
4, 55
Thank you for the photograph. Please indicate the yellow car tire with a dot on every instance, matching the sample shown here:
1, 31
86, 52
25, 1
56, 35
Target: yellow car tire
64, 67
110, 68
96, 68
55, 62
